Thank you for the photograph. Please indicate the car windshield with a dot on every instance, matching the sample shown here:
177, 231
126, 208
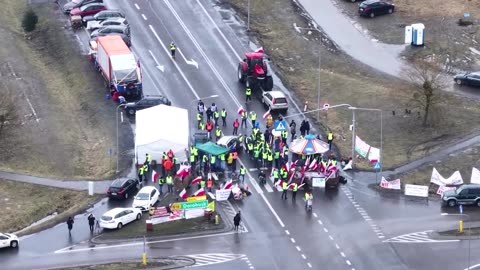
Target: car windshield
117, 183
82, 8
106, 218
459, 190
126, 75
280, 100
142, 196
77, 1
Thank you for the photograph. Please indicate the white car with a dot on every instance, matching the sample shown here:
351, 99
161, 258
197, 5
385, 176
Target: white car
118, 217
146, 197
275, 100
230, 142
94, 25
8, 240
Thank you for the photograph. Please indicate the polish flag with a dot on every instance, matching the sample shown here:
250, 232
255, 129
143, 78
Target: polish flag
196, 180
291, 176
199, 192
240, 110
313, 164
183, 171
183, 194
303, 173
307, 162
279, 183
228, 185
265, 115
301, 185
286, 166
291, 185
155, 176
259, 50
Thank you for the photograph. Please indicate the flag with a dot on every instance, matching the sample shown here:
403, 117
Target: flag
278, 183
183, 171
199, 192
196, 180
291, 185
228, 185
307, 162
313, 164
301, 185
286, 166
303, 173
291, 177
183, 194
267, 114
211, 205
155, 176
240, 110
259, 50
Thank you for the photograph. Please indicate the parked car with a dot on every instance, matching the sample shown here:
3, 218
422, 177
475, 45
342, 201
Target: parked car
146, 197
89, 9
77, 3
118, 217
146, 102
275, 100
372, 8
465, 194
122, 188
125, 38
231, 142
103, 15
111, 29
94, 25
472, 79
8, 240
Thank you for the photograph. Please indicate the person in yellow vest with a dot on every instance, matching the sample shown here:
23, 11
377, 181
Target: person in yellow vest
284, 136
329, 140
172, 49
223, 113
201, 126
244, 119
218, 133
285, 189
253, 117
294, 191
213, 161
192, 160
169, 180
230, 161
248, 94
307, 197
216, 116
222, 161
202, 184
160, 181
243, 171
148, 158
141, 172
199, 119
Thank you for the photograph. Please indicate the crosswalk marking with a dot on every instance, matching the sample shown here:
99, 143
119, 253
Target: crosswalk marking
416, 237
214, 258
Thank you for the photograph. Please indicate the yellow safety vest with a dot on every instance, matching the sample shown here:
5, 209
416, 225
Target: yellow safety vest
169, 180
284, 186
253, 116
330, 136
172, 47
218, 132
224, 114
248, 91
243, 171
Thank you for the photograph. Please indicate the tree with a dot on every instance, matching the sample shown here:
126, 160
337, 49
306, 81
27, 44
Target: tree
427, 80
29, 21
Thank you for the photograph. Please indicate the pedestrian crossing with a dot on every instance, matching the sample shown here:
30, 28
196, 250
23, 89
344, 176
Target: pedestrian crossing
269, 185
214, 258
416, 237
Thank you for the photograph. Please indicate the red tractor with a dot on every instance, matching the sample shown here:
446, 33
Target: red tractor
253, 72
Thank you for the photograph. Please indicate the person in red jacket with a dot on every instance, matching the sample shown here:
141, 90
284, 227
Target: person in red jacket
209, 128
236, 124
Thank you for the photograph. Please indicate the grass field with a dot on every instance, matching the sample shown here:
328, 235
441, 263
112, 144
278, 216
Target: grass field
25, 204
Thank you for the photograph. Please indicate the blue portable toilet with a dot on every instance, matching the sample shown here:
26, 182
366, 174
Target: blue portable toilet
418, 34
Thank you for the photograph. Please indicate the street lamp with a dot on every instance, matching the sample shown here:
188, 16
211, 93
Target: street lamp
248, 16
469, 234
118, 149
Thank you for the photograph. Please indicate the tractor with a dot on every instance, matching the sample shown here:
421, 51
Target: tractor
253, 72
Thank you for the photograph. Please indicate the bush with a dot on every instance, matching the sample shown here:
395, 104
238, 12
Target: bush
29, 21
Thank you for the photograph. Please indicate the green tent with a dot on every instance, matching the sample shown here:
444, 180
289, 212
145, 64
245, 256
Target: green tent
212, 149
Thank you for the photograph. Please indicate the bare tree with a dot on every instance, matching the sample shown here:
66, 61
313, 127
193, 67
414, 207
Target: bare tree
7, 110
427, 79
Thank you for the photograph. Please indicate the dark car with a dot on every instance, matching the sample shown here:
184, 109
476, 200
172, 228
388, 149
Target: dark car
103, 15
123, 188
472, 79
89, 9
77, 3
466, 194
111, 29
372, 8
146, 102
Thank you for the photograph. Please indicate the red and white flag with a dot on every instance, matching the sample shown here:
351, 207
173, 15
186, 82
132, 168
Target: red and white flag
291, 185
183, 194
240, 110
286, 166
228, 185
197, 180
259, 50
302, 173
155, 176
279, 183
183, 171
301, 185
199, 192
267, 114
313, 165
307, 162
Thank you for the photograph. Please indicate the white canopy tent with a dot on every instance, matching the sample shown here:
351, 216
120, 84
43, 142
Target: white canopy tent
159, 129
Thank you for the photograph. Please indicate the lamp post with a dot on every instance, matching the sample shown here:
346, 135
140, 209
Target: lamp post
248, 15
118, 148
469, 235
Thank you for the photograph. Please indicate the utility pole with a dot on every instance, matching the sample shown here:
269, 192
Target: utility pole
318, 90
353, 137
248, 16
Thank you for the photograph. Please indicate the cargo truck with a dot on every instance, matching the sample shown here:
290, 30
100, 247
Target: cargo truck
118, 66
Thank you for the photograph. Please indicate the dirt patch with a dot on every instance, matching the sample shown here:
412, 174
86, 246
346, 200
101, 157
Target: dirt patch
31, 203
344, 80
65, 128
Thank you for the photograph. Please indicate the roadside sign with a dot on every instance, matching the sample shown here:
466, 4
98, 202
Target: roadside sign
377, 165
460, 208
196, 199
280, 125
318, 182
189, 205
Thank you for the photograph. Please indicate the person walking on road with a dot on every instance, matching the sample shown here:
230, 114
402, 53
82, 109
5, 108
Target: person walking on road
235, 127
70, 224
236, 221
223, 114
173, 48
294, 191
244, 119
293, 129
253, 117
329, 140
91, 222
248, 94
169, 179
141, 172
285, 189
243, 171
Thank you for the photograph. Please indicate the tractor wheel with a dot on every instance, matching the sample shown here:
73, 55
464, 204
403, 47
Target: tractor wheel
240, 73
268, 83
252, 83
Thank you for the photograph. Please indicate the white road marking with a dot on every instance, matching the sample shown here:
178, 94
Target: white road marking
190, 62
309, 265
175, 63
331, 238
287, 232
337, 246
293, 240
136, 5
144, 17
343, 254
298, 248
348, 262
325, 229
214, 258
320, 222
253, 169
417, 237
273, 211
315, 215
160, 67
472, 267
304, 257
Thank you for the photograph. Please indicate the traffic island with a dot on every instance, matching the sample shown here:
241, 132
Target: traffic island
154, 263
472, 233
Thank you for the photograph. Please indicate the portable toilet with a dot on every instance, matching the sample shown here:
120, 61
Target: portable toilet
408, 34
418, 34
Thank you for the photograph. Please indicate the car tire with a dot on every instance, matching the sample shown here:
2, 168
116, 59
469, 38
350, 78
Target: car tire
458, 82
390, 11
126, 195
139, 217
14, 244
131, 111
120, 225
478, 203
451, 203
372, 15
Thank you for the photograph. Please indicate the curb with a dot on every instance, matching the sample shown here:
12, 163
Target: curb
179, 262
437, 235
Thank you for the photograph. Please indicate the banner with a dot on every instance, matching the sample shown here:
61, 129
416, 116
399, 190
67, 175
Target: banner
374, 154
442, 189
475, 179
176, 215
394, 184
318, 182
455, 179
416, 190
222, 194
361, 147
